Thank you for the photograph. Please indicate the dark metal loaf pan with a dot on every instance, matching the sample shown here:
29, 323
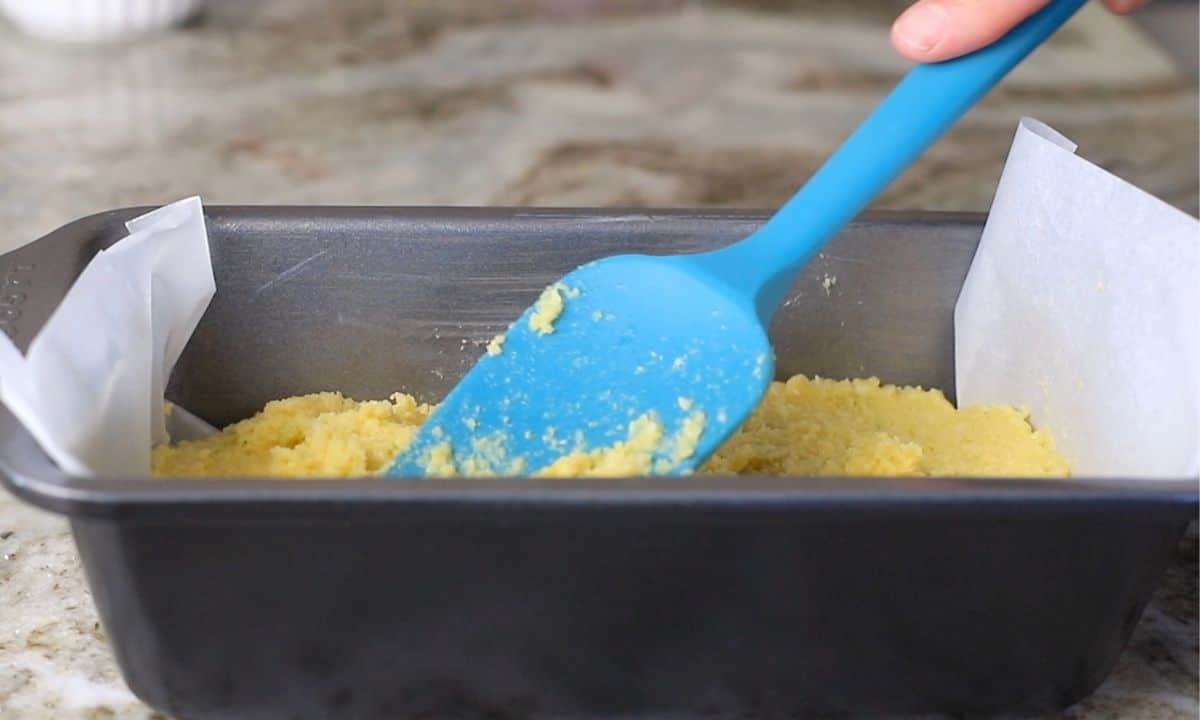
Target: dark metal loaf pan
714, 596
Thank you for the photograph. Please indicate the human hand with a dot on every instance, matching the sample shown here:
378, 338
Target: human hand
935, 30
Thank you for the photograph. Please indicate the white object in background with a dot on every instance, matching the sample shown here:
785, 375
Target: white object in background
90, 389
96, 21
1083, 305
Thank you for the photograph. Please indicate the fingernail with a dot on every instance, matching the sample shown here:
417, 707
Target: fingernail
922, 26
1123, 6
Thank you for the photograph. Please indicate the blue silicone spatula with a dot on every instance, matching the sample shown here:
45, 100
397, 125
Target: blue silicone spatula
679, 343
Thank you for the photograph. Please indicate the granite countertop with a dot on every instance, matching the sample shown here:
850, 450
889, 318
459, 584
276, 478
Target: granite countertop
545, 102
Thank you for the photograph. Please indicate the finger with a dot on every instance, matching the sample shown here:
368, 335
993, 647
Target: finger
935, 30
1125, 6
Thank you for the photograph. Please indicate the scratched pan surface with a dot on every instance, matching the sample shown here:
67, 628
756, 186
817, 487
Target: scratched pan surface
704, 596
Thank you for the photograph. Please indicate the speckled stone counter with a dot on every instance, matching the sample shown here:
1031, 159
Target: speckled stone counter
540, 102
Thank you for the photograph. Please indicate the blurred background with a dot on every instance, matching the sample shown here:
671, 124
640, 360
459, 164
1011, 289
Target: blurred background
546, 102
668, 103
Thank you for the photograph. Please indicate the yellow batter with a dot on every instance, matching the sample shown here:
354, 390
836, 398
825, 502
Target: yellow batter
803, 427
549, 306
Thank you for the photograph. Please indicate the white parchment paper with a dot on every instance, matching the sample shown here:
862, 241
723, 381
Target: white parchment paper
90, 388
1083, 305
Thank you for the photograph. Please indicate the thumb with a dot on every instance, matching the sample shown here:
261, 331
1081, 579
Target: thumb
935, 30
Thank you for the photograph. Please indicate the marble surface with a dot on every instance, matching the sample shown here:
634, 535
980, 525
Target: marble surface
545, 102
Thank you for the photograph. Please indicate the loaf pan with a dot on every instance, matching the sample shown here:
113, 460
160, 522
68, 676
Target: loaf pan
701, 596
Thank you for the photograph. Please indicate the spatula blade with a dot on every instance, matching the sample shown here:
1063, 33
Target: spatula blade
639, 340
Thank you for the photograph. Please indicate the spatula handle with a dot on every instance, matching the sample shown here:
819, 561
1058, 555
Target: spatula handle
922, 106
